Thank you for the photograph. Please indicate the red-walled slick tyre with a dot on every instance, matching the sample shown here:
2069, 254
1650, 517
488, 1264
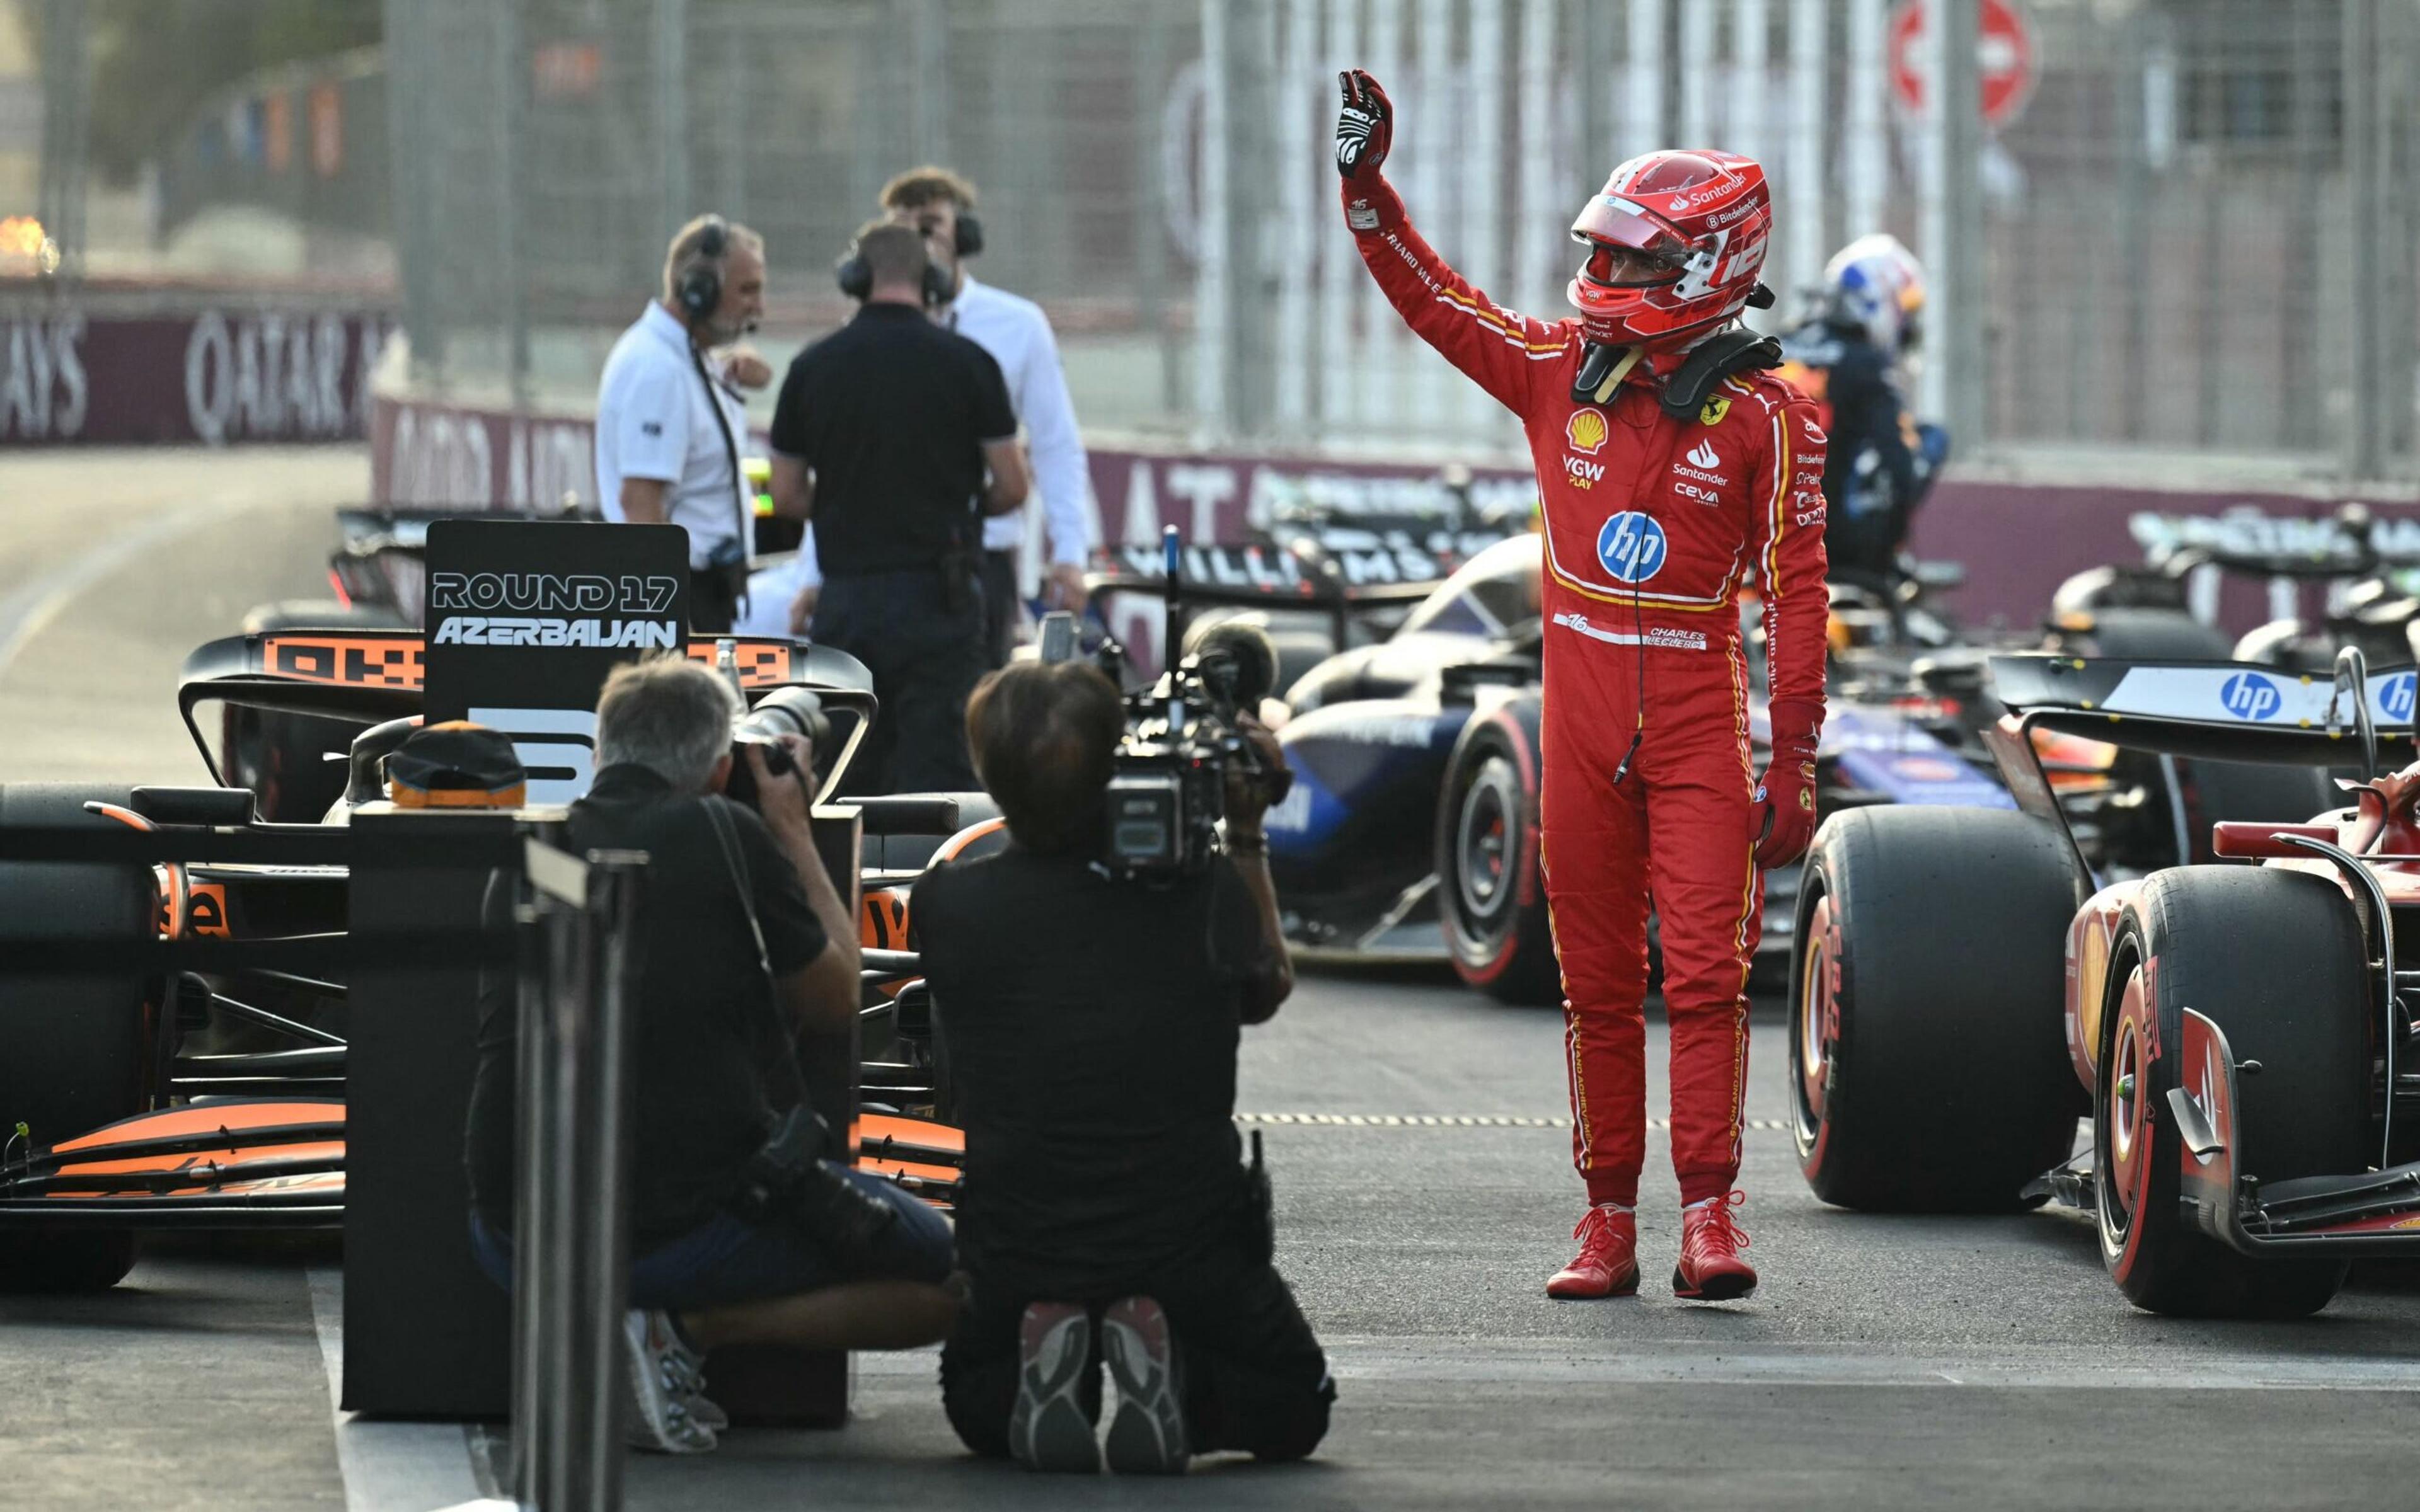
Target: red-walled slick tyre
1491, 898
1928, 1061
2275, 960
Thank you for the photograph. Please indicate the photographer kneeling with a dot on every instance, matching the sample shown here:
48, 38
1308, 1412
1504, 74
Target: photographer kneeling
738, 1233
1091, 1022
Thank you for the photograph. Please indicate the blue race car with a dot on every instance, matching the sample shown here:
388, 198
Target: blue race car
1412, 826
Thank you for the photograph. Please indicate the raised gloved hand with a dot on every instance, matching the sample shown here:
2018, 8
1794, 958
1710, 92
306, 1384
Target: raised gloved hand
1782, 822
1365, 128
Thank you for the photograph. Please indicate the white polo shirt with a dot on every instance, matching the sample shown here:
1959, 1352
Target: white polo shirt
655, 420
1018, 336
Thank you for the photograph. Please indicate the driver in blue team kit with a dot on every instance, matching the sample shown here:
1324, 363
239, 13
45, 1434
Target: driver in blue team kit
1672, 470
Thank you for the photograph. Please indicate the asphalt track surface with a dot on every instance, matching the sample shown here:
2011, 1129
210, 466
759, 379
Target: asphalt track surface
1886, 1363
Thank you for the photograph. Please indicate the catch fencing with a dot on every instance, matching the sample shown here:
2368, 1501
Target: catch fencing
2189, 225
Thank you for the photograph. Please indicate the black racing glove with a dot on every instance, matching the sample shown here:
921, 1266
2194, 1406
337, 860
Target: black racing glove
1365, 128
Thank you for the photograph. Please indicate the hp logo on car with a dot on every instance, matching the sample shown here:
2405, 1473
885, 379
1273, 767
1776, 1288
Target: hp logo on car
1631, 545
2251, 696
2395, 697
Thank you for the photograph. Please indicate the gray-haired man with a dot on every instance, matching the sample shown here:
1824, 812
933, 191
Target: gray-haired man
711, 1058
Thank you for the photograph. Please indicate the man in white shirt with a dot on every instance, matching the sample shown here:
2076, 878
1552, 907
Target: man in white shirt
940, 203
669, 423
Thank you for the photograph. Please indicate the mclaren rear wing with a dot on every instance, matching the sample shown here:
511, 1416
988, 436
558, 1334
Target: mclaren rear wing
371, 675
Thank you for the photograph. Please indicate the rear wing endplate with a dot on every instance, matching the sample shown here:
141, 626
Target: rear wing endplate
2214, 710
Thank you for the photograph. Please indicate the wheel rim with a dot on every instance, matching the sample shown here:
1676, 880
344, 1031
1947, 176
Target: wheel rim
2123, 1135
1818, 1013
1485, 843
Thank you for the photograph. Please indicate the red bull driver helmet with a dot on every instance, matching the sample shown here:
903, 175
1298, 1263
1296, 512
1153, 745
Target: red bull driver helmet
1675, 242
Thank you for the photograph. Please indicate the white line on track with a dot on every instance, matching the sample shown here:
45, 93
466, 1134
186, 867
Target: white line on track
30, 610
387, 1467
1451, 1120
1579, 1364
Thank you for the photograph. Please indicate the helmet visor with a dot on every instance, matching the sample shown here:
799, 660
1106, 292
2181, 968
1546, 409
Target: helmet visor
1627, 250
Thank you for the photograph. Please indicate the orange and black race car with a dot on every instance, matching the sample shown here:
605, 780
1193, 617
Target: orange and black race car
201, 1083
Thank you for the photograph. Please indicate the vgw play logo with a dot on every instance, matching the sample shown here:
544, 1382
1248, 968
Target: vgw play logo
1632, 546
2250, 696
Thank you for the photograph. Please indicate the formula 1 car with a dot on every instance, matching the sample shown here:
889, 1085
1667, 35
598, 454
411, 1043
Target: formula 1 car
1413, 821
1966, 987
2146, 610
213, 1097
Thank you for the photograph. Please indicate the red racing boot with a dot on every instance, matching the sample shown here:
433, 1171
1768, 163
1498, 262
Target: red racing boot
1607, 1263
1711, 1269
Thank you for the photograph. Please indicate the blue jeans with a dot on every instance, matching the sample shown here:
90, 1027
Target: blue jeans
728, 1259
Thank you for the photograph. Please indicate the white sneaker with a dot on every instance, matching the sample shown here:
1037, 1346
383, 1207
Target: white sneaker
685, 1376
661, 1420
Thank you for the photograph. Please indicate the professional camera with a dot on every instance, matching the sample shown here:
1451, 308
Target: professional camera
788, 711
792, 1177
1167, 790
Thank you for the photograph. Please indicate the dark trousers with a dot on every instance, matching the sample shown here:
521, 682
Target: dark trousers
1253, 1375
1001, 611
924, 646
713, 601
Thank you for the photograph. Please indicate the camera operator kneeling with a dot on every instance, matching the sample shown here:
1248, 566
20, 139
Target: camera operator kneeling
738, 1234
1092, 1025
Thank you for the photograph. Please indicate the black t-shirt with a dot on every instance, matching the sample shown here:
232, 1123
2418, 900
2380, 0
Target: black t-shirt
1092, 1029
891, 411
705, 1037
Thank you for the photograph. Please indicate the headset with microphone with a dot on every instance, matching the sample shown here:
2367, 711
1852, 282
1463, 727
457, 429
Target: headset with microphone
700, 289
857, 280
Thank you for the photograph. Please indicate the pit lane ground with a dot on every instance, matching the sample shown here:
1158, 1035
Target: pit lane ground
1886, 1363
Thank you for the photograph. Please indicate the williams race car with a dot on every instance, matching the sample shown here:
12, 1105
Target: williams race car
1413, 821
2238, 1033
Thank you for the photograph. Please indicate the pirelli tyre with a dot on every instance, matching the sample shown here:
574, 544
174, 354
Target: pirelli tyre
1491, 892
2275, 959
1927, 1062
75, 1050
283, 757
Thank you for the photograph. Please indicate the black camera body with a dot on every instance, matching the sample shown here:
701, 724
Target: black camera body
788, 711
1183, 738
1168, 788
790, 1178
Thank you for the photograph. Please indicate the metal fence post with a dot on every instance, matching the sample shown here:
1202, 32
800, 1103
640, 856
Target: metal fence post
571, 1263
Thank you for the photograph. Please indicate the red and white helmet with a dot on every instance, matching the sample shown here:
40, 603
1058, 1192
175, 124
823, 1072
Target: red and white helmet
1702, 217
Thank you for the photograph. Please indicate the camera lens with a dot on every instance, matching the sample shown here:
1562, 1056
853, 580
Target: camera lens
790, 711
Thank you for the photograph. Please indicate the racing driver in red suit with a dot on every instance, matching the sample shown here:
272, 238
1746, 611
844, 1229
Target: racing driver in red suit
1673, 470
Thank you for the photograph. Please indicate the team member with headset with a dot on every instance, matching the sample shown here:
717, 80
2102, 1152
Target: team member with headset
895, 438
669, 422
940, 204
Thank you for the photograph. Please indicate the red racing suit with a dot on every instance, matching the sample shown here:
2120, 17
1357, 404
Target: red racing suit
1653, 524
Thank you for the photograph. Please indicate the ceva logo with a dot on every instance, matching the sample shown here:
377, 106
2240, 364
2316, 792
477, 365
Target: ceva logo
2250, 696
2395, 697
1704, 455
1586, 430
1632, 546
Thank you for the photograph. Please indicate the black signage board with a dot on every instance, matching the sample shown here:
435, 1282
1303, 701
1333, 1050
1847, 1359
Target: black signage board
526, 619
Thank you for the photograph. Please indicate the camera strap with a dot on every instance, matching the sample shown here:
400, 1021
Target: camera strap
735, 862
739, 479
